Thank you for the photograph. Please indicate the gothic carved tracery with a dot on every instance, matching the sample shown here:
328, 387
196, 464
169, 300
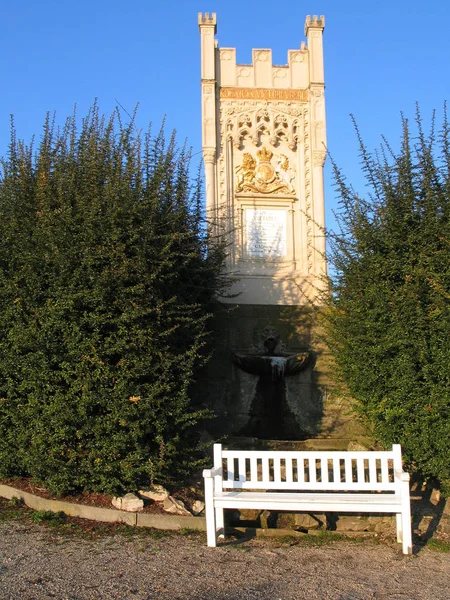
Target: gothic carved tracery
277, 122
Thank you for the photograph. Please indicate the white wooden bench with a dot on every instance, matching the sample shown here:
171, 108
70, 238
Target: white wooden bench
334, 481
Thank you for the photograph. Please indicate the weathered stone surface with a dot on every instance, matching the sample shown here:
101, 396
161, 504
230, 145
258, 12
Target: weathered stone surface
307, 522
129, 502
352, 523
267, 519
271, 519
157, 493
170, 522
296, 521
198, 507
382, 524
444, 527
282, 520
175, 507
248, 515
356, 446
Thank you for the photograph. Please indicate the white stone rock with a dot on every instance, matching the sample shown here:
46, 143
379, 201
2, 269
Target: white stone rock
198, 507
157, 493
175, 507
129, 502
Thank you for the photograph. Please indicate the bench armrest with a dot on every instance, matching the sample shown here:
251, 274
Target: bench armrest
212, 472
401, 475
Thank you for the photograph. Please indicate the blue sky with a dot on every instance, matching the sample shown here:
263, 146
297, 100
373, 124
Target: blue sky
380, 59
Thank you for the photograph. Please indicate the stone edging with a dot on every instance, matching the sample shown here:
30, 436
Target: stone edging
155, 521
106, 515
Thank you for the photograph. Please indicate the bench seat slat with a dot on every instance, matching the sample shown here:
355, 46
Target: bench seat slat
307, 502
309, 485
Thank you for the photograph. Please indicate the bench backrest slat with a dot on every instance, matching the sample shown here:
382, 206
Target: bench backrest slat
337, 470
330, 470
289, 472
324, 469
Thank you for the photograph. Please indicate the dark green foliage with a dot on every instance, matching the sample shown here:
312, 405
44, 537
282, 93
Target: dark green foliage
106, 279
389, 317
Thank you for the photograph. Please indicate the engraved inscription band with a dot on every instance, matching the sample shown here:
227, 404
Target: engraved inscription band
263, 94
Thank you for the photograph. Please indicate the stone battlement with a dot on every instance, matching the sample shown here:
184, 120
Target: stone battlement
261, 72
206, 19
315, 21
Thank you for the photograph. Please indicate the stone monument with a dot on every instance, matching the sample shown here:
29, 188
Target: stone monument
264, 148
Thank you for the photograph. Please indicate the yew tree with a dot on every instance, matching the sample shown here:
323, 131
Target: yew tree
107, 278
389, 305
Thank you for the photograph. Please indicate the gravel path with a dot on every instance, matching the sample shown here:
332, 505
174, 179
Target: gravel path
37, 564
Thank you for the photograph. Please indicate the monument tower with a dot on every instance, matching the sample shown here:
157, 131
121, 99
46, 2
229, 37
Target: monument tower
264, 147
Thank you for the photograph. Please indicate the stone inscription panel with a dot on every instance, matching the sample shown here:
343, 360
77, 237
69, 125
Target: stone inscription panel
263, 94
265, 233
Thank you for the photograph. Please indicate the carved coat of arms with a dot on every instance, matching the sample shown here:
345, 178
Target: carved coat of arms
262, 176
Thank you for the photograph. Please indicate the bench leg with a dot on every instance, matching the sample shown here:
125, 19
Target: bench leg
406, 530
404, 535
398, 520
210, 526
210, 513
407, 538
220, 523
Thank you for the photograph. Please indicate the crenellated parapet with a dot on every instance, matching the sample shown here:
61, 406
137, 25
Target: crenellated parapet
262, 73
207, 19
314, 23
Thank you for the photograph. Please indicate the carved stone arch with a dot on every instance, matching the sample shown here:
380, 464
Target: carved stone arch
263, 128
243, 133
263, 115
281, 120
296, 127
282, 134
296, 134
245, 120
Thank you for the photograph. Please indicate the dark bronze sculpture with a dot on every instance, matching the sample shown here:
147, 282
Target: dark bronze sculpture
270, 415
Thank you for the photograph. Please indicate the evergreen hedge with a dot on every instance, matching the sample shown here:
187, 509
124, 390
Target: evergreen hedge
107, 276
389, 309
